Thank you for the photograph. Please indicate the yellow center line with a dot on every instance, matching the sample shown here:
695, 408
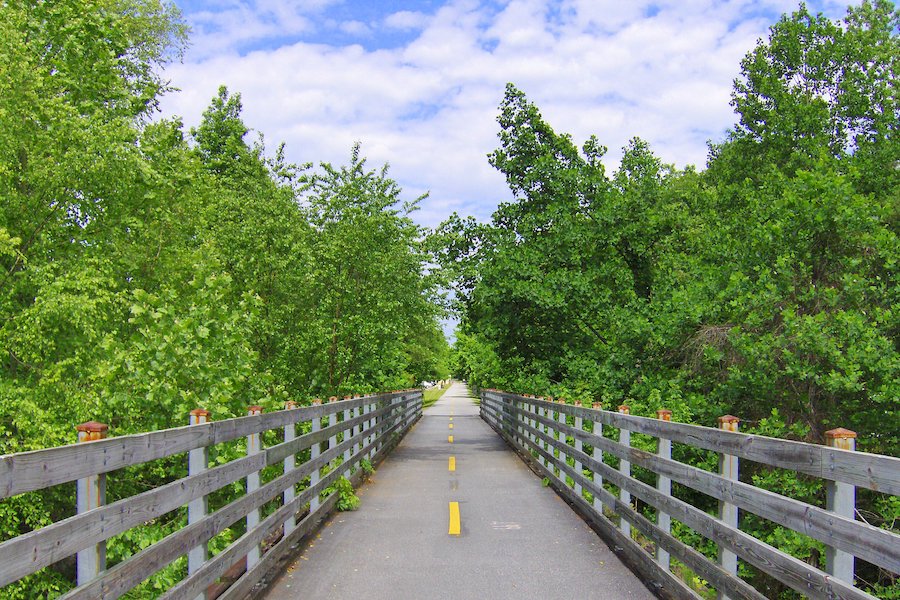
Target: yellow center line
450, 438
454, 518
451, 425
452, 465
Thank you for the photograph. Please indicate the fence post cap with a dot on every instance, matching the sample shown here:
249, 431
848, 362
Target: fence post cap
316, 401
290, 404
332, 399
728, 419
596, 404
255, 409
578, 403
840, 434
199, 412
92, 427
625, 409
664, 414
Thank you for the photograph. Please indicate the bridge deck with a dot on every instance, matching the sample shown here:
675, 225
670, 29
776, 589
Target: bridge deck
517, 540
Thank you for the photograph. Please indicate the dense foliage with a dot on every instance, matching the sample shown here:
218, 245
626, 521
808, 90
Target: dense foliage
766, 286
146, 271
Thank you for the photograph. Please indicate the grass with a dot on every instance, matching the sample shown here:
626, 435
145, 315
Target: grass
431, 396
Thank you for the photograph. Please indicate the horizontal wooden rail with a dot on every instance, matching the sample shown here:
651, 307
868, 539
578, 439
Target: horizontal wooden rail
873, 544
540, 429
39, 469
861, 469
368, 428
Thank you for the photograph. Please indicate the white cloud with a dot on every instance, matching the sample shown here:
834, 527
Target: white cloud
225, 26
357, 28
406, 19
428, 107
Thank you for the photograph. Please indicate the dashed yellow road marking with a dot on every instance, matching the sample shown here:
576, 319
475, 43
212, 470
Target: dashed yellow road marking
452, 465
451, 425
454, 518
450, 438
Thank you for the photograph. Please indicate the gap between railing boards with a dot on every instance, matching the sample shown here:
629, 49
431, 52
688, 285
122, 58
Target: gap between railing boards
539, 429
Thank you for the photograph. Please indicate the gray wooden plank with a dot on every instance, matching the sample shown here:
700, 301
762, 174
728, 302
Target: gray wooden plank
787, 569
29, 471
244, 587
278, 452
241, 588
25, 554
662, 582
212, 569
722, 580
873, 544
871, 471
122, 577
35, 550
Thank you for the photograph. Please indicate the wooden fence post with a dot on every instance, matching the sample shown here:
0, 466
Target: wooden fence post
579, 445
370, 426
290, 433
253, 517
357, 412
664, 485
515, 416
728, 513
314, 451
198, 461
332, 421
559, 435
597, 454
531, 407
90, 494
526, 408
840, 498
625, 469
344, 437
543, 428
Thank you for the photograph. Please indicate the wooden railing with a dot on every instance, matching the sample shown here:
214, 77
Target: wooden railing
553, 436
341, 434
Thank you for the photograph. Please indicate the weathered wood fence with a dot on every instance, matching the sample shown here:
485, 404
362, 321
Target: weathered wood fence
342, 433
553, 436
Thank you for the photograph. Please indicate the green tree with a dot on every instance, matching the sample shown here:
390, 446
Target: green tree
367, 287
820, 88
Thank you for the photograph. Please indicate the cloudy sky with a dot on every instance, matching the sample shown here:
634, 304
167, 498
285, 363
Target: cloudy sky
418, 83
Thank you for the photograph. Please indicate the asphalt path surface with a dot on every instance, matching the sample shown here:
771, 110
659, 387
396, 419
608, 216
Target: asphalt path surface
517, 538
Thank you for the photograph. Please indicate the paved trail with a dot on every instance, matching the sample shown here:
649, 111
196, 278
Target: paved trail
517, 539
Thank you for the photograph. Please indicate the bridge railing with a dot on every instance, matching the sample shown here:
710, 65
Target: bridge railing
340, 435
554, 436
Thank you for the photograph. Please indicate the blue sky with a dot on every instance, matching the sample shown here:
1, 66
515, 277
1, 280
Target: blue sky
418, 82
